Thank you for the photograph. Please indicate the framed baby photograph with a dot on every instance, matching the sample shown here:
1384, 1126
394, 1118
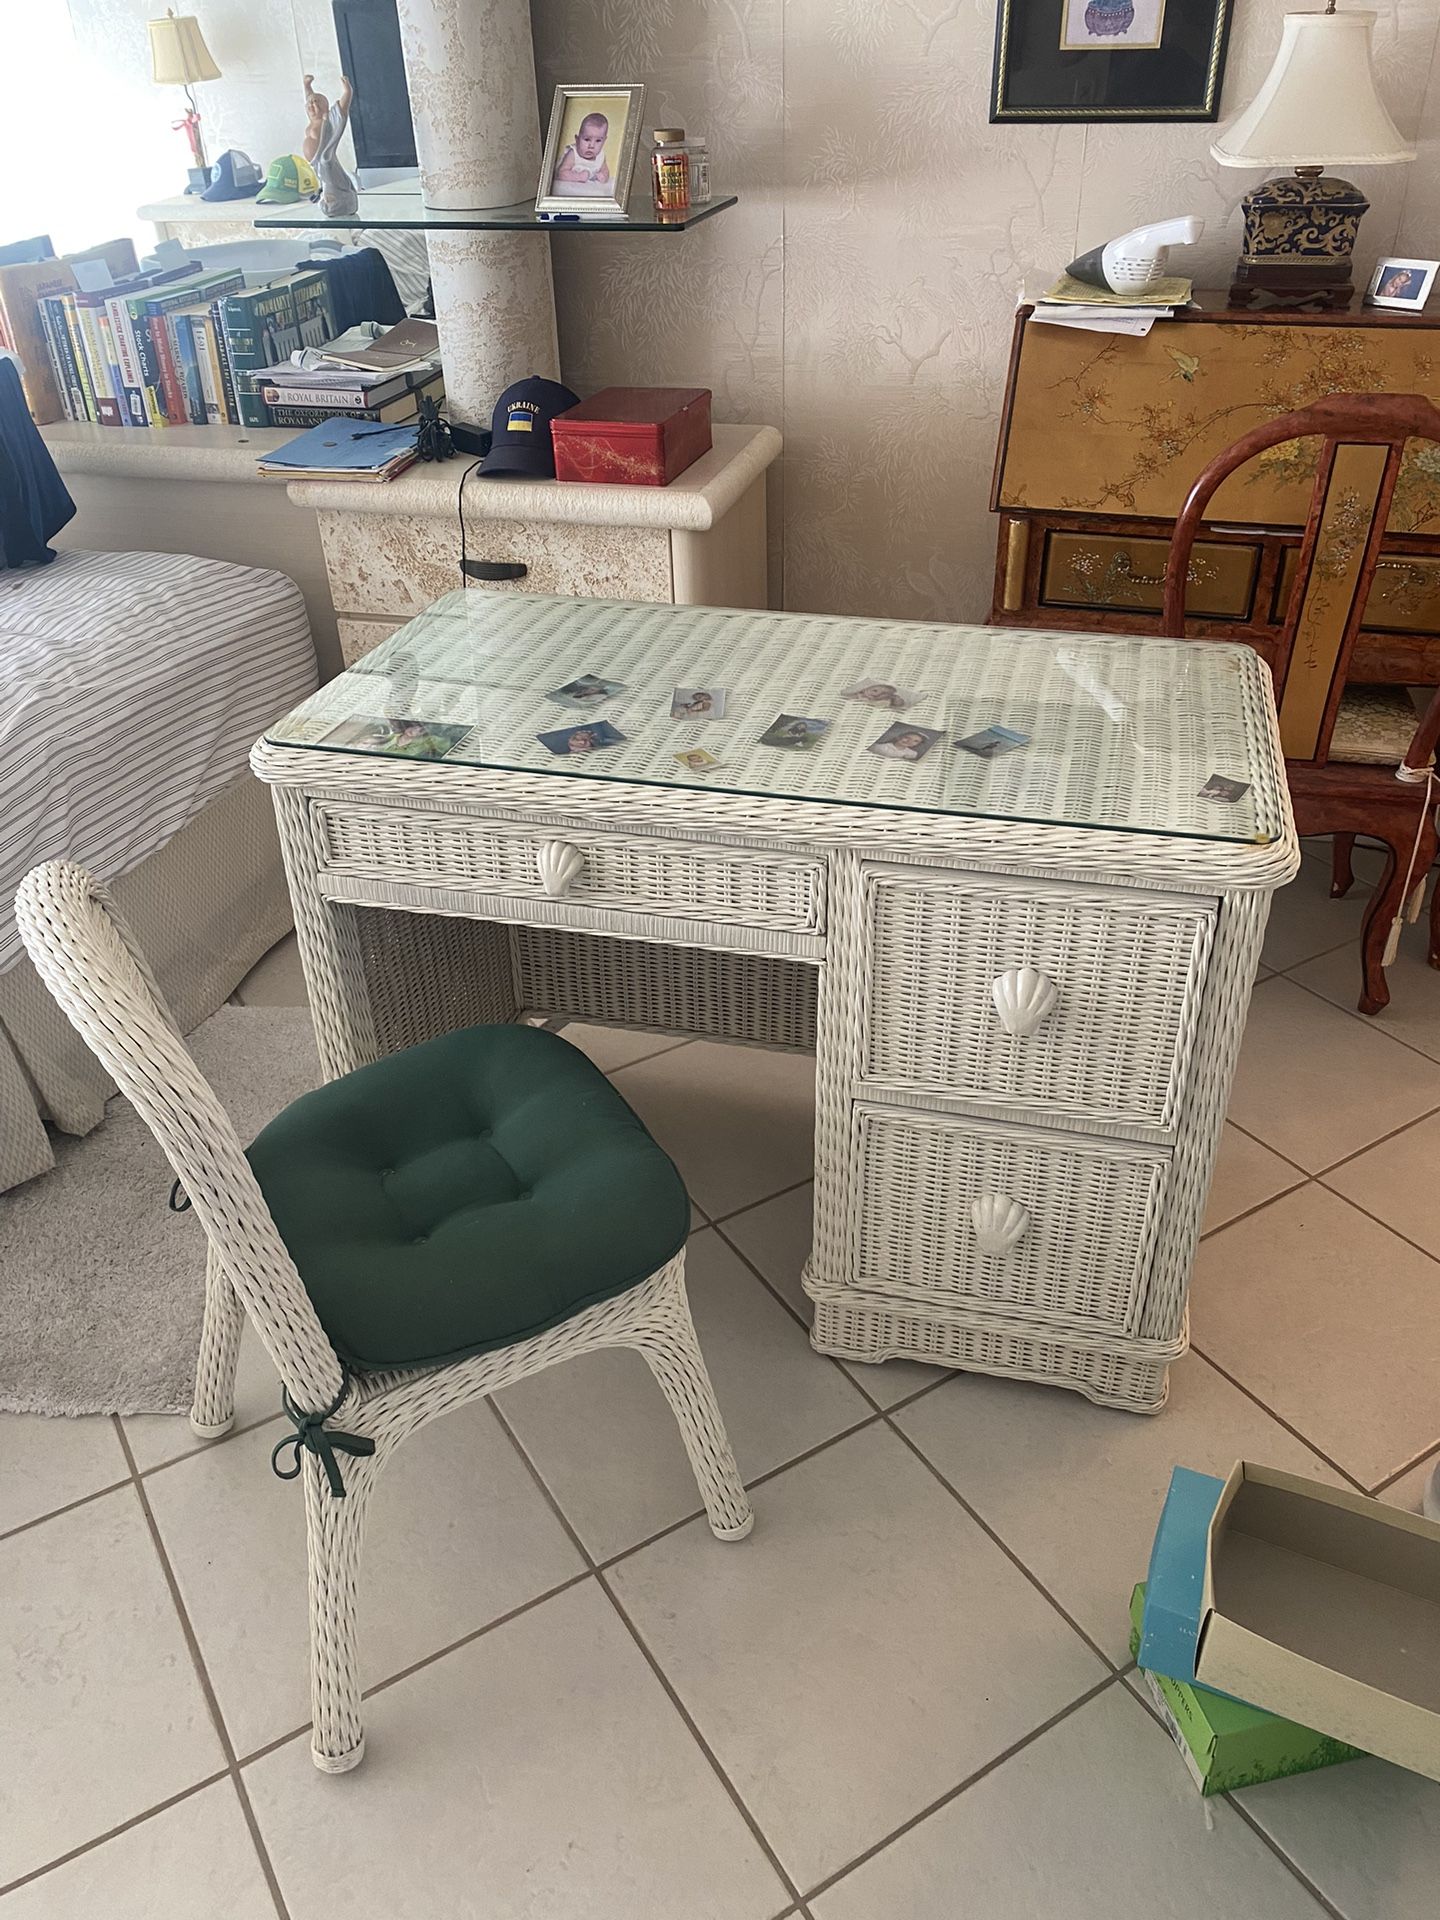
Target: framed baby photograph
1109, 59
1402, 284
590, 150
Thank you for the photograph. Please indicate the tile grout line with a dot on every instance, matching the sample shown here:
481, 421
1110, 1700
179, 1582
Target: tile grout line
970, 1780
1380, 1140
227, 1746
54, 1513
1306, 1180
688, 1721
113, 1833
751, 1205
882, 1407
263, 1751
541, 1484
1278, 1418
1366, 1021
789, 1306
599, 1575
1243, 1813
1143, 1696
1420, 1460
995, 1539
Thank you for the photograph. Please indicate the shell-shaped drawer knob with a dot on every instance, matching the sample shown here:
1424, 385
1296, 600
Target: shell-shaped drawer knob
1023, 997
1000, 1223
559, 863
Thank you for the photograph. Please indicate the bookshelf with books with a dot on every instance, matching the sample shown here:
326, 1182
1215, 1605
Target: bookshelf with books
161, 349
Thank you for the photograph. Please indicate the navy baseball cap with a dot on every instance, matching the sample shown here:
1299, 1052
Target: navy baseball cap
234, 176
520, 430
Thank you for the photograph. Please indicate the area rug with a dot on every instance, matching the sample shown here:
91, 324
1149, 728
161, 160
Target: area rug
101, 1285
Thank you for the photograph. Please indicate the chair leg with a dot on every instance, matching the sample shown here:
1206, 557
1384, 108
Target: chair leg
1342, 872
672, 1353
1389, 901
213, 1410
335, 1531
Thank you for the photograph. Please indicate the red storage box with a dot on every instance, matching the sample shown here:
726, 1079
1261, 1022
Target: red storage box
632, 436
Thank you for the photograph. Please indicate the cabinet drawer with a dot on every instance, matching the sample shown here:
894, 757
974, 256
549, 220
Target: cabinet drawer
1033, 994
1123, 573
679, 880
1045, 1229
393, 566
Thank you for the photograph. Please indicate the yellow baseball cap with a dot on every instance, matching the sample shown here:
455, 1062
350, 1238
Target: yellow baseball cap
288, 179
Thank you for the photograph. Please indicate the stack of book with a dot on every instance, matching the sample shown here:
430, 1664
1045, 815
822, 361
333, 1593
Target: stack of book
1072, 303
176, 347
297, 396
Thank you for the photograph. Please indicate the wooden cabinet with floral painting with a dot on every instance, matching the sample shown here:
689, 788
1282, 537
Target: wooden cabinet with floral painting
1103, 435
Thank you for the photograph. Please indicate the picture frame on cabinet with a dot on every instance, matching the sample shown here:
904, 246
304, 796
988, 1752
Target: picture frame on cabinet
1403, 285
1062, 59
590, 149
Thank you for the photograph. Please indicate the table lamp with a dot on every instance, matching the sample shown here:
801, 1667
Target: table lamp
178, 58
1317, 108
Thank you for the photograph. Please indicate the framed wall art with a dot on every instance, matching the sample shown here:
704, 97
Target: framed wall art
1109, 59
590, 149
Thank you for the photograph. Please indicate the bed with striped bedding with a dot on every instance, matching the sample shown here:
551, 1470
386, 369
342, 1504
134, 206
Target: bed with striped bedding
132, 687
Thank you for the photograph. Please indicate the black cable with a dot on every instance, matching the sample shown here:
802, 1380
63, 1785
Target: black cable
460, 510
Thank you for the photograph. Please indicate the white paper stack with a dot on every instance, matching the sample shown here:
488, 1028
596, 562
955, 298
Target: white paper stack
1071, 303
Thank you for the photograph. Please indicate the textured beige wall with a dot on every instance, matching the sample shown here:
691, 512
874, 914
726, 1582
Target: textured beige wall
861, 295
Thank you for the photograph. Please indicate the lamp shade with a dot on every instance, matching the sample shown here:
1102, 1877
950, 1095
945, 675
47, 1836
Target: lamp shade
1318, 103
178, 53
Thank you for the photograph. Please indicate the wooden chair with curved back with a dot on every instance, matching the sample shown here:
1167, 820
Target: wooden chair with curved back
1356, 759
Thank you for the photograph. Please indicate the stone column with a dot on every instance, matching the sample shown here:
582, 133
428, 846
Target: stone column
470, 67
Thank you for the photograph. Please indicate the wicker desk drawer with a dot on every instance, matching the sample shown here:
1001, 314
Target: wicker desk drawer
1031, 994
1047, 1230
677, 879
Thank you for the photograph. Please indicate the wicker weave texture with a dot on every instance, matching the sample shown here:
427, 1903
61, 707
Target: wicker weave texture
1086, 1215
1125, 971
89, 961
671, 989
861, 1330
1028, 1020
697, 881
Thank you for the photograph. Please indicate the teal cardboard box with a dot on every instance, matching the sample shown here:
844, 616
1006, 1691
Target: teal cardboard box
1224, 1743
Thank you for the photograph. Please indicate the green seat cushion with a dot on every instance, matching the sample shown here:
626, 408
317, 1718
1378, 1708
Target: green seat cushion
465, 1193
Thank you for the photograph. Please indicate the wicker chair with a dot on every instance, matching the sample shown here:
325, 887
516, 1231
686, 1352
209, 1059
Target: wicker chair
88, 961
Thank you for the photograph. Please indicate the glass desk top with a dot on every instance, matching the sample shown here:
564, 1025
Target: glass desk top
1129, 734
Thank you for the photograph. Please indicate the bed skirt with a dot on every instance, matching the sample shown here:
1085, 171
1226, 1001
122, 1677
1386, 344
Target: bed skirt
205, 907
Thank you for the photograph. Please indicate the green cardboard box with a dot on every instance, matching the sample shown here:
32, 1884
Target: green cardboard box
1226, 1744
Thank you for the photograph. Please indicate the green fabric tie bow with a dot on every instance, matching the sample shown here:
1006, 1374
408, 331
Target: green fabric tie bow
311, 1435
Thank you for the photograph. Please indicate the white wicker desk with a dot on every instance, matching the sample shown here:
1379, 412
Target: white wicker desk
1024, 979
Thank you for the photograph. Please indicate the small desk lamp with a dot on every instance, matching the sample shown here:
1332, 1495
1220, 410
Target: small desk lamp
178, 58
1317, 108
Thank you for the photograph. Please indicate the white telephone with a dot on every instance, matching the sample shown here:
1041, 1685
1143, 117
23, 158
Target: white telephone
1134, 262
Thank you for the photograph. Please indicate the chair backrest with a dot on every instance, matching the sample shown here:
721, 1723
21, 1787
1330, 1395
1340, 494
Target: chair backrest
87, 958
1362, 443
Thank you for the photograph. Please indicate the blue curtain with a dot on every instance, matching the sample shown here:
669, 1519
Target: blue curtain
34, 504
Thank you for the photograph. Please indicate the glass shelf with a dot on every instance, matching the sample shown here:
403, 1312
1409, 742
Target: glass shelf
390, 207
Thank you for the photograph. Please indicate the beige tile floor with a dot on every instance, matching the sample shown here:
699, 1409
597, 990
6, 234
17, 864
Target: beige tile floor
904, 1698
